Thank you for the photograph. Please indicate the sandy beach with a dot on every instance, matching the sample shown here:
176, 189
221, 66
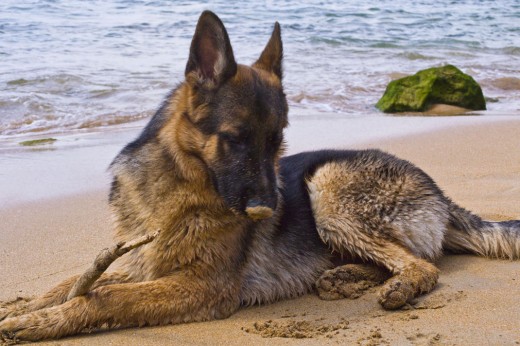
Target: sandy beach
54, 220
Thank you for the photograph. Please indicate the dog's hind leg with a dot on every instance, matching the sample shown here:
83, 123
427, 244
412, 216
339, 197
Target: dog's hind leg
412, 276
368, 215
350, 281
56, 296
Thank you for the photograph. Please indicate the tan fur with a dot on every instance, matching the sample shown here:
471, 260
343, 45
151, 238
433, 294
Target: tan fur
357, 199
493, 242
259, 213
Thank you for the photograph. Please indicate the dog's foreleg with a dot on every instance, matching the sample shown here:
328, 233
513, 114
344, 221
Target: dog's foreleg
57, 295
173, 299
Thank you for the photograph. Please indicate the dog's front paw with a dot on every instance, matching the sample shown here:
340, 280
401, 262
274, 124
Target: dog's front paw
48, 323
7, 338
28, 327
34, 326
13, 308
15, 329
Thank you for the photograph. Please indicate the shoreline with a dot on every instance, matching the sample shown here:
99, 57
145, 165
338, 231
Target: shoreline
475, 160
77, 162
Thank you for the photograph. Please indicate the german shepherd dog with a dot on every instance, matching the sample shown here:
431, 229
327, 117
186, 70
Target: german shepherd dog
243, 225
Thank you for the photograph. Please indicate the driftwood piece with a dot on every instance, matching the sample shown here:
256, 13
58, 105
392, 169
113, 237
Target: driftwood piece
103, 260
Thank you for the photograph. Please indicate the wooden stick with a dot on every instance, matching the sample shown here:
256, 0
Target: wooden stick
103, 260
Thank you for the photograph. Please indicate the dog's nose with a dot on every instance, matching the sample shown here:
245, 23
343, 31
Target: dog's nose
258, 210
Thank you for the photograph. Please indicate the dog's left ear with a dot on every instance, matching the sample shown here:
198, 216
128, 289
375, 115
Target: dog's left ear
271, 58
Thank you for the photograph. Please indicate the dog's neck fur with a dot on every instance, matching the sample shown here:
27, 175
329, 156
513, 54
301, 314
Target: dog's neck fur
178, 110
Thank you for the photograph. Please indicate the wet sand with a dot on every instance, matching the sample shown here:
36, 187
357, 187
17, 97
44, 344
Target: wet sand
475, 160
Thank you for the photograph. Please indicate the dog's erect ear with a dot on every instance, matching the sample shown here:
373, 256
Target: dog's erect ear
211, 60
271, 58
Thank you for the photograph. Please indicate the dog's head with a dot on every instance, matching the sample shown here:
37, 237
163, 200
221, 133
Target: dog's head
237, 114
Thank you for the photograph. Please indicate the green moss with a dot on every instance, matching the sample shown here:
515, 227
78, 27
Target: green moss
20, 81
38, 142
446, 85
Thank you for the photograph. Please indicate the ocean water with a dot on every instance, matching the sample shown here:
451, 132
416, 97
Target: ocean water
71, 64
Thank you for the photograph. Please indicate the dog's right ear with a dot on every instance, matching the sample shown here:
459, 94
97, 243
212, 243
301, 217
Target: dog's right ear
211, 60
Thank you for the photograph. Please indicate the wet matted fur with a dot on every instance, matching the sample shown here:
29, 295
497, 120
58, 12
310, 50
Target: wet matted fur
243, 225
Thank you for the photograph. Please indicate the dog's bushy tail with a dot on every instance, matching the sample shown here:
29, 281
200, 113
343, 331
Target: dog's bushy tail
469, 233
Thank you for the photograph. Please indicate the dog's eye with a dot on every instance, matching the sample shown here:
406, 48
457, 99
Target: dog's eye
232, 139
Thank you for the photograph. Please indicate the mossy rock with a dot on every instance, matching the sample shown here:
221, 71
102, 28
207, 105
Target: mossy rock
35, 142
445, 85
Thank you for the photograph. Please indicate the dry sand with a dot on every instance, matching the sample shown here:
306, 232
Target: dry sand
475, 303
